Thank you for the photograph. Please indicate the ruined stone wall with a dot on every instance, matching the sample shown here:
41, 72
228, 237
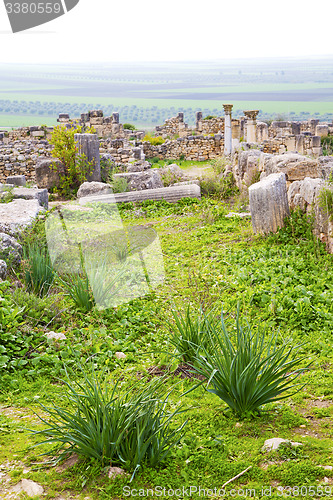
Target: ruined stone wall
19, 157
303, 144
196, 148
211, 126
174, 126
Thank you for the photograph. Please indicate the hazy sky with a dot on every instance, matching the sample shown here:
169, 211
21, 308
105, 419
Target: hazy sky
170, 30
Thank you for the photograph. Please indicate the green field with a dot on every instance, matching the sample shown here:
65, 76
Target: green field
147, 94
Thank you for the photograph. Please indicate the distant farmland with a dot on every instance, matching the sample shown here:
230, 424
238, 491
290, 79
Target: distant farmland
147, 94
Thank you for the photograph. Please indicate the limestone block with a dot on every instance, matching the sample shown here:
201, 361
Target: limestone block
10, 249
17, 215
171, 194
41, 195
138, 181
295, 166
48, 172
17, 180
322, 130
92, 188
269, 203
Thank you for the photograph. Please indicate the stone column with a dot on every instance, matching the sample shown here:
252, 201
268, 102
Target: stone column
88, 144
198, 120
227, 129
269, 203
251, 122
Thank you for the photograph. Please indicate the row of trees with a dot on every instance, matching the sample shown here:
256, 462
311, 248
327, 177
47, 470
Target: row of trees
138, 115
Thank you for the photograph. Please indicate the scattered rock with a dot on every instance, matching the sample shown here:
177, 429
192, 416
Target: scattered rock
3, 270
10, 248
92, 188
17, 215
139, 181
41, 195
116, 471
139, 166
120, 355
274, 444
16, 180
55, 336
48, 172
28, 487
238, 214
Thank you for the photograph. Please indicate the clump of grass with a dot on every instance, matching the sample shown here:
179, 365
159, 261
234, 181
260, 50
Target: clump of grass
190, 332
102, 422
38, 272
250, 370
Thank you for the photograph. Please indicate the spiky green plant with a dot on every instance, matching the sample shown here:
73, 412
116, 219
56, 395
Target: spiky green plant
189, 331
250, 370
112, 426
38, 271
78, 288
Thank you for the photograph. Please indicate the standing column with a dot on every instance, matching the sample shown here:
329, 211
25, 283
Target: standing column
251, 122
227, 129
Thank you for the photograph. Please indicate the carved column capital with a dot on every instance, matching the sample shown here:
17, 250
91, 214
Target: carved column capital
227, 108
251, 115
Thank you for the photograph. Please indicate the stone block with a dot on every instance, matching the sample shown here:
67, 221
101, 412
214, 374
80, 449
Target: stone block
17, 180
41, 195
93, 188
48, 172
269, 203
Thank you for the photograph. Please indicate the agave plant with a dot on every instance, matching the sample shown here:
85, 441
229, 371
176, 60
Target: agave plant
251, 370
102, 422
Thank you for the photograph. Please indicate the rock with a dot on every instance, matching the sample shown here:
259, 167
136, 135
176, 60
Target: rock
16, 180
120, 355
139, 166
171, 194
116, 471
186, 183
326, 467
55, 336
17, 215
28, 487
238, 214
269, 203
48, 172
138, 181
305, 192
10, 249
247, 168
93, 188
41, 195
3, 270
295, 166
170, 174
274, 444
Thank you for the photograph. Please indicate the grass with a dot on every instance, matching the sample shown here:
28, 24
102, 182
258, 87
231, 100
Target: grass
283, 282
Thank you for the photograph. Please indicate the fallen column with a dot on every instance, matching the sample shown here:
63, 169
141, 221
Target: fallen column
170, 194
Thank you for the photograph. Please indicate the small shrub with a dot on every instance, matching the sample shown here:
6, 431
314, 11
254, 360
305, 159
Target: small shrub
6, 195
223, 188
326, 201
155, 159
129, 126
155, 141
119, 185
209, 117
327, 145
248, 371
76, 166
101, 422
